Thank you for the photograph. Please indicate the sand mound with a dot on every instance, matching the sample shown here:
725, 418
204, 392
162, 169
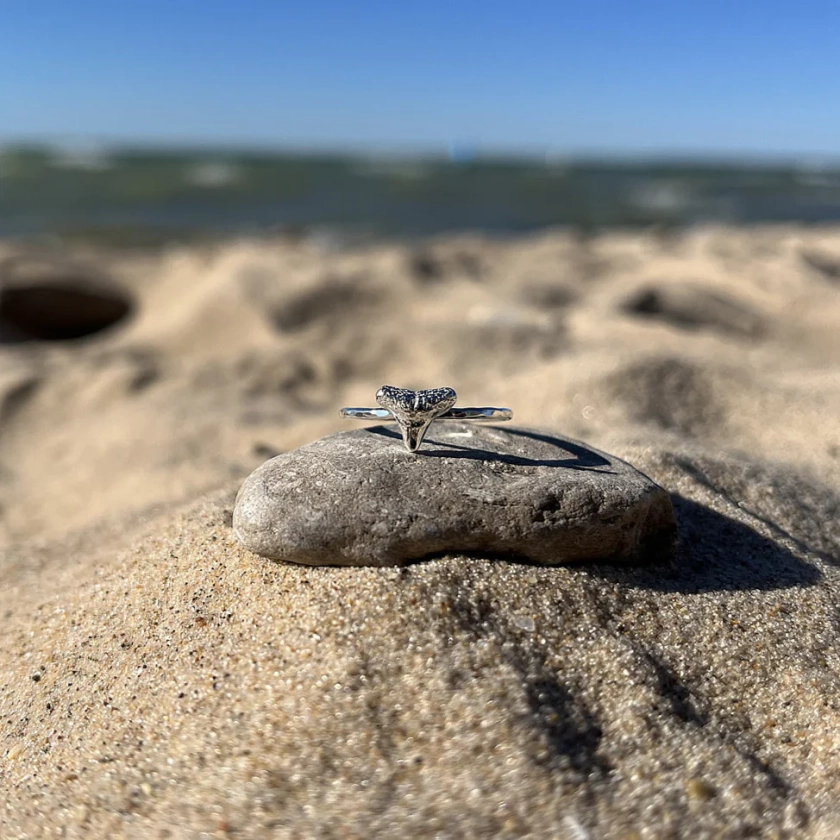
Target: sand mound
159, 681
190, 687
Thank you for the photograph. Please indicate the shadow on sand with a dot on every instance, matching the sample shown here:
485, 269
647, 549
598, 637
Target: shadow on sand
715, 553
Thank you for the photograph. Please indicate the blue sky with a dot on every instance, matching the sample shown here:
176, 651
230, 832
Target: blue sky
640, 77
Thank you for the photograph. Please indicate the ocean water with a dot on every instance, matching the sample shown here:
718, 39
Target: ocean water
147, 196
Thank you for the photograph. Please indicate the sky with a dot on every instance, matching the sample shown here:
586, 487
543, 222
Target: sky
696, 77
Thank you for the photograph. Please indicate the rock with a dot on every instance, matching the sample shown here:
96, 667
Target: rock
359, 499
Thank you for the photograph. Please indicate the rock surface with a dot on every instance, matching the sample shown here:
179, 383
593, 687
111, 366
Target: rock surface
358, 498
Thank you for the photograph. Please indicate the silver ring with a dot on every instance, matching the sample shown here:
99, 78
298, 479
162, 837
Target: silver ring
414, 411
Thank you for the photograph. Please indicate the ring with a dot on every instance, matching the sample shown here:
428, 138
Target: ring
414, 411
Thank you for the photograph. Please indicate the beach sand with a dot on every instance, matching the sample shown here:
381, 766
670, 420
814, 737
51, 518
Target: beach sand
157, 680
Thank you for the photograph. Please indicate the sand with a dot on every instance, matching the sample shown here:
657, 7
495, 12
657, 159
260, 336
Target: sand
157, 680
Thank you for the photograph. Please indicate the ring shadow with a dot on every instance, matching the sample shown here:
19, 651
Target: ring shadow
584, 458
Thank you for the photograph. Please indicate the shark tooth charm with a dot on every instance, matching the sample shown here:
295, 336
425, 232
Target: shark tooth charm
414, 411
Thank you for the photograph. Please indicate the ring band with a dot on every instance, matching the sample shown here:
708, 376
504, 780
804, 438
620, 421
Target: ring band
414, 411
476, 413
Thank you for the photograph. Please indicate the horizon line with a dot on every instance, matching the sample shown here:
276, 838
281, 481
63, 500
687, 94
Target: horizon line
462, 152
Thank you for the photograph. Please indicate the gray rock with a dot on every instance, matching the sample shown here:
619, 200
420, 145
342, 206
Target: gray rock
359, 499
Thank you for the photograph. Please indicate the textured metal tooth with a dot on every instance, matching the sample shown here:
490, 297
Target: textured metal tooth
414, 411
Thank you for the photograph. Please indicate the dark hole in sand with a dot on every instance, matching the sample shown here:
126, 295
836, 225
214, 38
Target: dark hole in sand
335, 299
61, 309
425, 267
823, 264
694, 308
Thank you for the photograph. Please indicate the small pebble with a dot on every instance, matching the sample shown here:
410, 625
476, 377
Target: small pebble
700, 789
526, 623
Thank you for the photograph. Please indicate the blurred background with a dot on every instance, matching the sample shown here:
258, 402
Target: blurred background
221, 221
142, 124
